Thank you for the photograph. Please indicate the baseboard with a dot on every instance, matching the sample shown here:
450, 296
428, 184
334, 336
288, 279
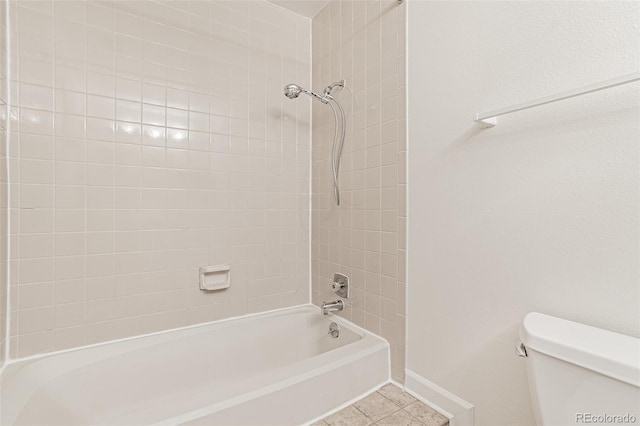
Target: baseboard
459, 411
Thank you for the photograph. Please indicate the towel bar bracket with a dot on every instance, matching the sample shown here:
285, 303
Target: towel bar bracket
487, 123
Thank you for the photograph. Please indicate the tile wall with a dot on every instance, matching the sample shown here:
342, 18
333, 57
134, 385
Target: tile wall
152, 137
4, 92
363, 42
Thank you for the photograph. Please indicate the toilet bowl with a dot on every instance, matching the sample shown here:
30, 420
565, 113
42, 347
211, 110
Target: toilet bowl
580, 374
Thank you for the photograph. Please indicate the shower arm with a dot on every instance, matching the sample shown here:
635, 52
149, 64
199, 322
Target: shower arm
315, 95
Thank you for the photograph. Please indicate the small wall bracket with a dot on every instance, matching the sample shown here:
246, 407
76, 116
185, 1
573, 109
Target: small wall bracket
521, 349
486, 123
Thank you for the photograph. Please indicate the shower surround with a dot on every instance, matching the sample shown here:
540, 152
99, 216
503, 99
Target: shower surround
149, 139
364, 238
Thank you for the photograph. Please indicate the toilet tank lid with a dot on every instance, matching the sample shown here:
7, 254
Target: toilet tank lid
606, 352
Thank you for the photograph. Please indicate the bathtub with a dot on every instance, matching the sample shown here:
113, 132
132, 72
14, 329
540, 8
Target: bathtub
276, 368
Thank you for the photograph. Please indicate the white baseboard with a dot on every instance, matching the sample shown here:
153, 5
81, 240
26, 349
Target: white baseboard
459, 411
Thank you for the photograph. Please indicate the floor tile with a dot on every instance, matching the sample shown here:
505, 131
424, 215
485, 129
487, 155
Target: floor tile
388, 406
399, 418
426, 414
349, 416
397, 395
376, 406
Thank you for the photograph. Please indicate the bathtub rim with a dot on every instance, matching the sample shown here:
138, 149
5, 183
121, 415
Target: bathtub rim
10, 364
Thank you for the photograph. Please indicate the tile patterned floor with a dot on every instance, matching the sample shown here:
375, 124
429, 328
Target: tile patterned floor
388, 406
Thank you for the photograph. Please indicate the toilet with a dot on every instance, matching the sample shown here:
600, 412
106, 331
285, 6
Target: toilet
580, 374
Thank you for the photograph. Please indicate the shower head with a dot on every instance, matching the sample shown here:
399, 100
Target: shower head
292, 91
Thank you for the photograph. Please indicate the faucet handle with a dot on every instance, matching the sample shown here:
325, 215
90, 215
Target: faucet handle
340, 285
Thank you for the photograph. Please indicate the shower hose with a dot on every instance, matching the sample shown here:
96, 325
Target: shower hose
336, 149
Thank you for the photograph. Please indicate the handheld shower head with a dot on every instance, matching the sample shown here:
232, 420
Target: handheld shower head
292, 91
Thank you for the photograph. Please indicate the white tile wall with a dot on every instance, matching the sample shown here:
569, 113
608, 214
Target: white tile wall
152, 138
363, 42
3, 177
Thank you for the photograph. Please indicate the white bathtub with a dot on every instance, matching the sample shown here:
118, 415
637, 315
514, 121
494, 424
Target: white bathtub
277, 368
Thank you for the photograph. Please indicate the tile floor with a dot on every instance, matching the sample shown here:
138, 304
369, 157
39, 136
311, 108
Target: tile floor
388, 406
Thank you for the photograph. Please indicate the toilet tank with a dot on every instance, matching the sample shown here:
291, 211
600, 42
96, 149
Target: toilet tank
580, 374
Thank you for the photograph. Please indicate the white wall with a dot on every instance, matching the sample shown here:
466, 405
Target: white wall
537, 214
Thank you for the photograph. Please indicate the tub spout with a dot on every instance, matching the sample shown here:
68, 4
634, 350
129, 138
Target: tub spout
327, 307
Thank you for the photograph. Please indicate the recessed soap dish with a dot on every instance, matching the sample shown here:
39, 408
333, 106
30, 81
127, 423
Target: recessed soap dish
216, 277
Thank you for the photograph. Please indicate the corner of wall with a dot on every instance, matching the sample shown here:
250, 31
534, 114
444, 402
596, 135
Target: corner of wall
459, 411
